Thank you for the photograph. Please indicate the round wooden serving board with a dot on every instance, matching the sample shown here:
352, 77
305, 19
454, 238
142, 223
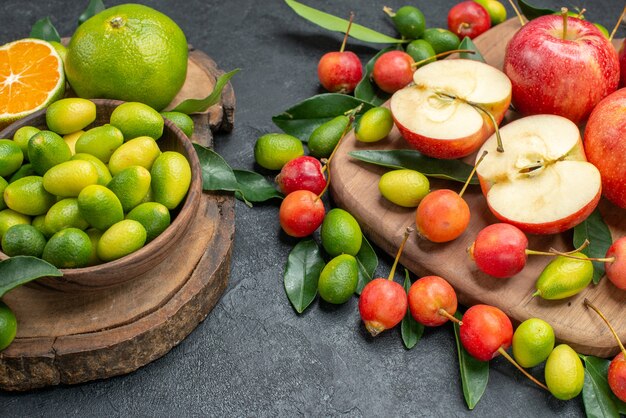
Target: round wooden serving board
355, 187
66, 338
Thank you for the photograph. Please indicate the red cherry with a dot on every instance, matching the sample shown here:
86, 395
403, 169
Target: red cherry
500, 250
301, 213
302, 173
432, 301
393, 70
382, 305
442, 216
340, 72
616, 269
617, 376
469, 19
485, 332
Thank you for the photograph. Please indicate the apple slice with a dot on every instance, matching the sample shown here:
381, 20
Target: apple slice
542, 182
438, 115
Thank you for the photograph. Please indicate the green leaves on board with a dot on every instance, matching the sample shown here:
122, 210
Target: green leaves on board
474, 373
455, 170
469, 45
93, 8
44, 29
599, 400
367, 262
410, 329
337, 24
366, 90
189, 106
531, 12
597, 232
16, 271
302, 272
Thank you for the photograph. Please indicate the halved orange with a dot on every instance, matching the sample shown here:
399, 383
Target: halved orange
31, 77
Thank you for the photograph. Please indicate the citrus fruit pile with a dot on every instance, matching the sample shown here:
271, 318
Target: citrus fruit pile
77, 195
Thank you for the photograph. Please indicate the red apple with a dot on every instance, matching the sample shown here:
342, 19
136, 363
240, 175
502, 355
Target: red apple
469, 19
302, 173
562, 74
622, 63
616, 269
393, 70
340, 71
605, 145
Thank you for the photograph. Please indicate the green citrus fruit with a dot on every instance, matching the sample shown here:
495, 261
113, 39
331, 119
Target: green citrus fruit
137, 119
338, 279
28, 196
100, 142
564, 277
9, 217
100, 207
341, 233
47, 149
533, 341
60, 49
374, 125
183, 121
64, 214
121, 239
496, 10
171, 177
3, 185
154, 217
69, 178
404, 187
24, 171
71, 139
325, 137
11, 157
273, 151
8, 326
104, 176
128, 52
94, 236
564, 373
23, 240
138, 151
442, 40
69, 248
409, 21
420, 50
21, 137
131, 185
70, 115
39, 222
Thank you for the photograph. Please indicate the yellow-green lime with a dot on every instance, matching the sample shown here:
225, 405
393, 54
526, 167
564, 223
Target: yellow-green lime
338, 279
341, 233
100, 142
171, 177
138, 151
154, 217
24, 171
8, 326
564, 277
70, 115
325, 137
47, 149
28, 196
129, 52
131, 185
181, 120
11, 157
442, 40
39, 222
533, 341
69, 248
104, 176
564, 373
21, 137
137, 119
374, 125
409, 21
100, 207
3, 185
70, 177
9, 217
64, 214
121, 239
71, 139
496, 10
421, 51
94, 236
273, 151
23, 240
404, 187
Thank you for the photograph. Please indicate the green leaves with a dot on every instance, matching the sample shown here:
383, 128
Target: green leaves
336, 24
366, 90
45, 30
367, 261
200, 105
474, 373
532, 12
302, 273
598, 398
253, 187
410, 329
93, 8
445, 169
467, 43
16, 271
302, 119
597, 232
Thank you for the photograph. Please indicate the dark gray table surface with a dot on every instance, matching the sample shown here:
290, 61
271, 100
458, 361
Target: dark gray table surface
253, 355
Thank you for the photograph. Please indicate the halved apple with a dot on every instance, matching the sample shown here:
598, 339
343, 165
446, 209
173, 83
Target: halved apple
542, 182
444, 114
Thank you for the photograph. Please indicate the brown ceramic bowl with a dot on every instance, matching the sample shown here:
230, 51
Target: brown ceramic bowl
126, 268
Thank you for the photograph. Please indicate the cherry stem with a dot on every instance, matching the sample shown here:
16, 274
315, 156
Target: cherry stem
442, 54
619, 22
606, 321
517, 12
407, 232
564, 14
345, 38
521, 369
553, 252
389, 11
581, 14
469, 178
452, 318
570, 254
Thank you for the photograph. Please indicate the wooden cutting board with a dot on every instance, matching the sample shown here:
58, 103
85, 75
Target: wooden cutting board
355, 188
67, 338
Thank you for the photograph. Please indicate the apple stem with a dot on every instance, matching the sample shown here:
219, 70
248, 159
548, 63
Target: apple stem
564, 14
389, 11
442, 54
452, 318
606, 321
521, 369
345, 38
517, 12
581, 14
469, 178
619, 22
407, 232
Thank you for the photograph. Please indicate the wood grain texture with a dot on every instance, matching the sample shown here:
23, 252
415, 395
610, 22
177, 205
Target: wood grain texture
354, 187
72, 337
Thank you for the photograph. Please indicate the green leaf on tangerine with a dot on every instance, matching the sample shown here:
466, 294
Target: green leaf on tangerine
44, 29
